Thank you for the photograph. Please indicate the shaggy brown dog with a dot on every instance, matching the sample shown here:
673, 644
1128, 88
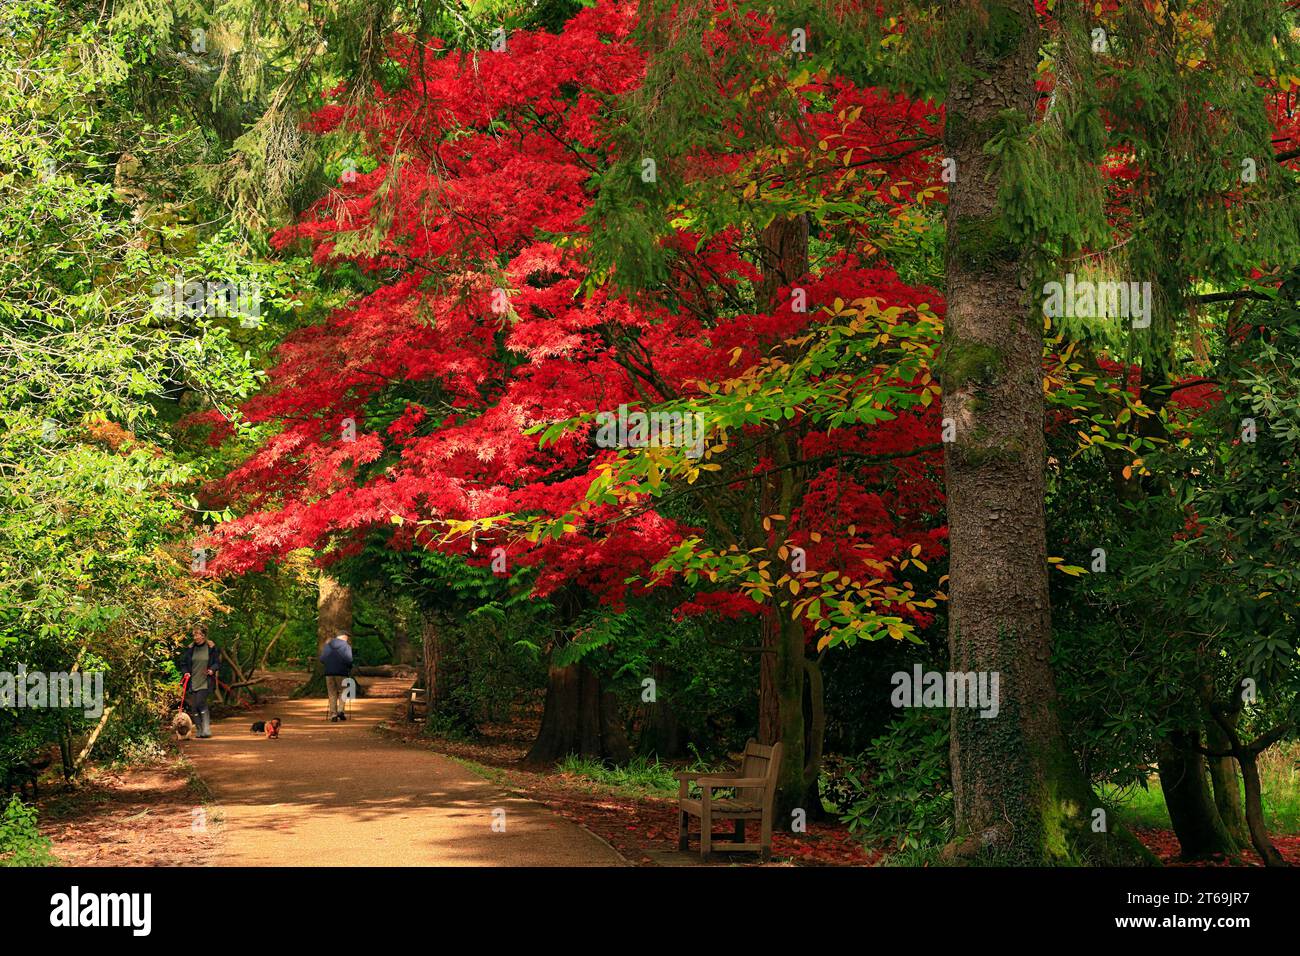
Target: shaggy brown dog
183, 725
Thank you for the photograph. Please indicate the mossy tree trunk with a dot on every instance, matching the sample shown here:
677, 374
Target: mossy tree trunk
1020, 797
1227, 784
1192, 810
1247, 754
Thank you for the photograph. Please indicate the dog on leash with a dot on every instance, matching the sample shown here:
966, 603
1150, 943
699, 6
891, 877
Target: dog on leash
183, 725
269, 727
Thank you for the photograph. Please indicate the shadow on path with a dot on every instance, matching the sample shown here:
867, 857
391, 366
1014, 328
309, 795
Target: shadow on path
339, 794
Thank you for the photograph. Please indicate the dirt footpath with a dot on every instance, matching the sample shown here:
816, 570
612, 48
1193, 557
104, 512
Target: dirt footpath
340, 794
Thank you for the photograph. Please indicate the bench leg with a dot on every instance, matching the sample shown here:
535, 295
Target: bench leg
740, 832
683, 832
706, 834
765, 837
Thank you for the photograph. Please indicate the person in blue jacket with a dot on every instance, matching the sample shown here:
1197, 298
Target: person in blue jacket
336, 656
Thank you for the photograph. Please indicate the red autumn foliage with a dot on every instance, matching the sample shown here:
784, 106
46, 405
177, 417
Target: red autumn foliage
477, 331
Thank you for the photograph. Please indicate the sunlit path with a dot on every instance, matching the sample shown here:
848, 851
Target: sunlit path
339, 794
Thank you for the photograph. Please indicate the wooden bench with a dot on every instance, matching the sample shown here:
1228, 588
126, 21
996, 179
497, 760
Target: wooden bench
417, 705
755, 793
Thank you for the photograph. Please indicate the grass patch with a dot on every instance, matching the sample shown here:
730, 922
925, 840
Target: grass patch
639, 777
1279, 774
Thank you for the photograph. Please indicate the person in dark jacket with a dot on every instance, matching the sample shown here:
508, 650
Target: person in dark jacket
336, 657
202, 661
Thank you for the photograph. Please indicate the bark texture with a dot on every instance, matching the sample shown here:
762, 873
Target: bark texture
1227, 784
783, 260
1020, 797
434, 676
333, 609
661, 732
769, 703
579, 717
333, 617
1192, 811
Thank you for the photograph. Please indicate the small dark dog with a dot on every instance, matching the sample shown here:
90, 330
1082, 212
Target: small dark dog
269, 727
23, 775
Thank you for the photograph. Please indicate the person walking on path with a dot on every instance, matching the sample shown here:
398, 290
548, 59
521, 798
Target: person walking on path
336, 656
201, 660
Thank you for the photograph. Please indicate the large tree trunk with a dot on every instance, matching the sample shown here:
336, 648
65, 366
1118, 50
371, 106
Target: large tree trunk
578, 717
783, 250
814, 737
769, 702
661, 733
1020, 797
333, 610
792, 791
403, 650
434, 677
1192, 812
333, 617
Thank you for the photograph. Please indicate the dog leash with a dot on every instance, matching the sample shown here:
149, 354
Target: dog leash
184, 685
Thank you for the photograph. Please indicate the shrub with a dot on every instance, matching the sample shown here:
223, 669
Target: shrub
21, 843
899, 788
